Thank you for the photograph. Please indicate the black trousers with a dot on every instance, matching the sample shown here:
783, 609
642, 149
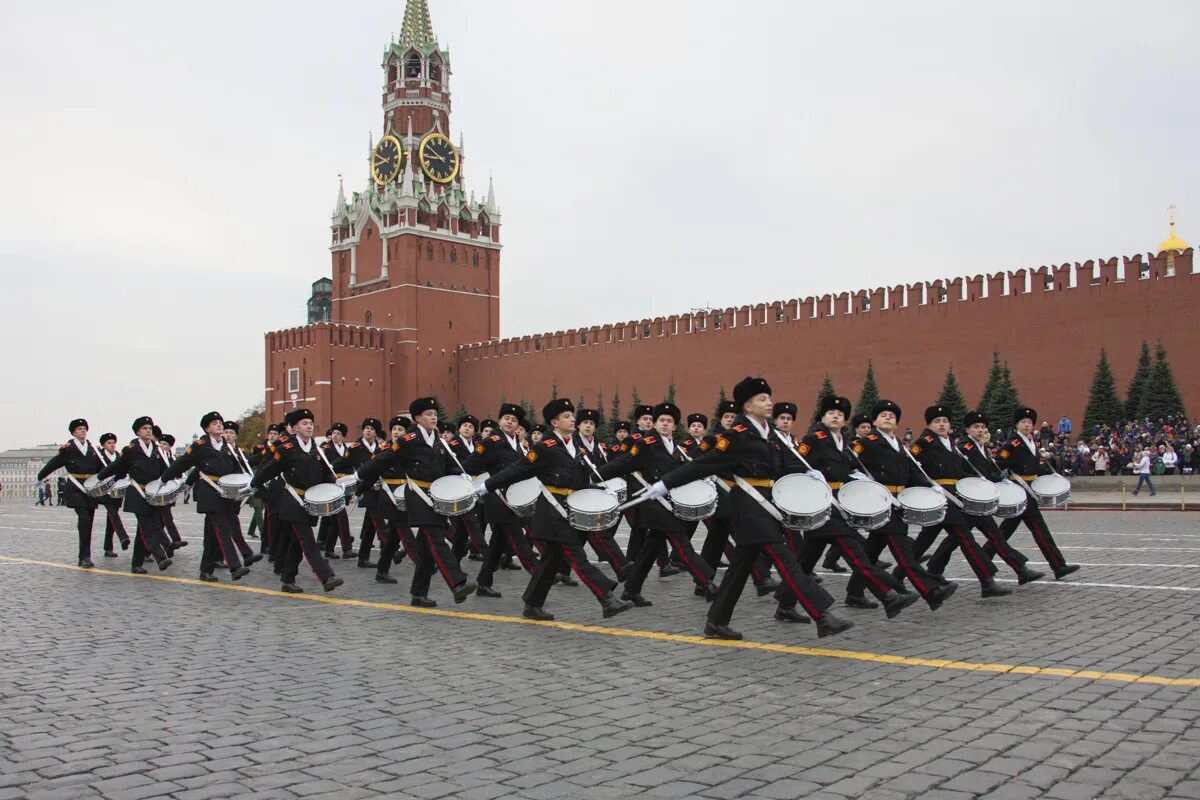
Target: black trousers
256, 520
506, 536
894, 537
795, 584
654, 543
151, 539
1041, 534
637, 535
554, 556
113, 526
220, 543
467, 535
605, 544
366, 534
393, 531
959, 534
997, 544
851, 545
280, 544
83, 519
333, 528
301, 544
168, 521
433, 554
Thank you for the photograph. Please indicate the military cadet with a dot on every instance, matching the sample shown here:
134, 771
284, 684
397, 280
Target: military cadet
620, 433
262, 513
112, 505
830, 457
166, 444
882, 457
142, 461
492, 454
972, 448
467, 531
643, 419
536, 434
1019, 455
358, 453
652, 456
81, 460
231, 434
487, 428
943, 466
861, 425
594, 454
750, 451
555, 462
392, 524
423, 459
296, 459
336, 527
212, 459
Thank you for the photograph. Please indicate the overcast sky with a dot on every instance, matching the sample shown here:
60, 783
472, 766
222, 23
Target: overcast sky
169, 169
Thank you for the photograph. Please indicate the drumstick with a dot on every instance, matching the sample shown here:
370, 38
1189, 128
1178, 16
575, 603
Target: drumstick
641, 498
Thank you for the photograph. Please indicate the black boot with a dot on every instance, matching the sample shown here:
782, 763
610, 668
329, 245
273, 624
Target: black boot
831, 624
990, 588
712, 631
536, 612
612, 606
790, 614
1026, 575
894, 602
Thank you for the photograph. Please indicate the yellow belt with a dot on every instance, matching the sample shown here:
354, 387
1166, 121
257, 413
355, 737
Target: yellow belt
81, 476
561, 492
213, 478
765, 483
422, 484
298, 491
835, 484
394, 481
946, 481
895, 489
1028, 478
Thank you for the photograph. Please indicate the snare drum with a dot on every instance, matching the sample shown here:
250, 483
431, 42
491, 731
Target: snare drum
350, 484
118, 489
235, 486
94, 487
324, 499
617, 488
592, 510
804, 502
163, 494
1051, 491
453, 495
694, 501
1013, 500
866, 504
522, 497
920, 505
978, 496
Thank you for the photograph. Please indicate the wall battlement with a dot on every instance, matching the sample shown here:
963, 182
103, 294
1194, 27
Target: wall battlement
337, 334
1081, 280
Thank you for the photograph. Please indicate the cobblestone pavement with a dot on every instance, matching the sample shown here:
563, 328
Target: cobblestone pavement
124, 686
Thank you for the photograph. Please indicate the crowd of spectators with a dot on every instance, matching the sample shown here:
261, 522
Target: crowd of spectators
1170, 446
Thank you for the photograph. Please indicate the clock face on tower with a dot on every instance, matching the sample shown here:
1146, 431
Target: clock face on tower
438, 158
385, 161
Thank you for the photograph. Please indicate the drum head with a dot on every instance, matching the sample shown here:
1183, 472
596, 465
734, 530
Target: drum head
694, 494
324, 493
617, 485
921, 498
801, 495
523, 493
978, 489
154, 487
863, 497
91, 483
591, 501
1011, 494
451, 488
123, 483
1050, 485
350, 481
237, 480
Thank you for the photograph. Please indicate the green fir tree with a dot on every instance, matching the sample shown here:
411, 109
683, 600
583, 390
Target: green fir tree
1137, 386
826, 391
1008, 399
670, 398
869, 395
460, 413
952, 398
1103, 406
1161, 397
987, 400
614, 412
635, 402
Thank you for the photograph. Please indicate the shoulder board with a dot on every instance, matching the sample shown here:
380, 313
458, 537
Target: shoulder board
858, 448
820, 434
479, 448
1015, 443
326, 445
454, 442
410, 436
65, 446
493, 438
722, 442
618, 448
739, 428
550, 441
649, 440
871, 437
916, 449
704, 445
287, 446
635, 436
968, 446
199, 440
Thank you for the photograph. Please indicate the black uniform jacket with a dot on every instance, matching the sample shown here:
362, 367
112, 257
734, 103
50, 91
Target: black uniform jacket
889, 466
357, 454
550, 462
212, 462
742, 451
300, 470
980, 459
80, 466
1016, 456
696, 447
598, 453
819, 448
649, 456
106, 459
943, 465
141, 469
410, 456
492, 454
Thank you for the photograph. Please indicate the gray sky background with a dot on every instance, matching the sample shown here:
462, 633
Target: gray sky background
169, 170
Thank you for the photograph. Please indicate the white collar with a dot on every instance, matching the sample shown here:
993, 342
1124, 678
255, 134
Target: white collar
82, 446
512, 440
764, 430
946, 443
469, 443
590, 444
303, 446
370, 445
567, 443
669, 443
891, 439
837, 440
340, 448
217, 444
428, 436
148, 448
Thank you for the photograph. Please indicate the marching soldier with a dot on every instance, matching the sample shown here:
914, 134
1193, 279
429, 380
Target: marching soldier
594, 455
467, 530
112, 505
142, 461
81, 460
336, 527
358, 453
1020, 456
391, 516
166, 444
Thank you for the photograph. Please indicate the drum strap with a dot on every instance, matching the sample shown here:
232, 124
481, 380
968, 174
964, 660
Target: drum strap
662, 500
932, 482
295, 496
720, 483
383, 487
419, 492
758, 498
210, 482
550, 499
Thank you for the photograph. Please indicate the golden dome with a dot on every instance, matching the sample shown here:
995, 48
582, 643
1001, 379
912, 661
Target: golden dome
1173, 242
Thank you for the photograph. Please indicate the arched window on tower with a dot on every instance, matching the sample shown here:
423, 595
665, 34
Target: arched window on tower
423, 213
412, 66
465, 224
391, 73
367, 319
485, 225
453, 256
435, 69
443, 218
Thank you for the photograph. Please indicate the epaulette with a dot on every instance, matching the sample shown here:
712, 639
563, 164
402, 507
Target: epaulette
454, 442
871, 437
549, 441
635, 436
739, 428
1015, 443
493, 438
410, 436
928, 437
65, 446
968, 446
129, 447
649, 440
618, 448
820, 434
287, 446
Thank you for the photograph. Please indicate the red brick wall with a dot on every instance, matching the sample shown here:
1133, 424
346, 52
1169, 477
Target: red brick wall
1051, 340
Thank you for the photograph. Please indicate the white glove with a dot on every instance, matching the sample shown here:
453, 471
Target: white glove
657, 490
859, 476
816, 473
937, 487
480, 490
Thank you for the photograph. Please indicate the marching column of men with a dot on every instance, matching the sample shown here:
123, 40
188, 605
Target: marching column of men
749, 448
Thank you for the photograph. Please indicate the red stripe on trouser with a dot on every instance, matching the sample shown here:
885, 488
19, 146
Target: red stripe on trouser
217, 536
574, 566
517, 549
1038, 535
599, 539
436, 558
965, 546
903, 562
379, 529
812, 610
304, 551
343, 523
858, 567
755, 575
682, 551
998, 543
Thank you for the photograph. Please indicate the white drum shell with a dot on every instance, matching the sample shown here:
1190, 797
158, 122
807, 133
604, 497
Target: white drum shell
592, 510
1051, 490
94, 487
694, 501
922, 506
1013, 500
866, 504
453, 495
978, 496
118, 489
235, 486
324, 499
805, 503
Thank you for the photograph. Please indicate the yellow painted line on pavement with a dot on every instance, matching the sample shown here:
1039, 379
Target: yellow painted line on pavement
789, 649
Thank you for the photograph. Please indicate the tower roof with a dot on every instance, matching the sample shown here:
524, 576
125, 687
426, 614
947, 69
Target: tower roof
1173, 242
417, 29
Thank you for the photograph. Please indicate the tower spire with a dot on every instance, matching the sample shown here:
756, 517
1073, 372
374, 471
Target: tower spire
417, 29
490, 204
340, 204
